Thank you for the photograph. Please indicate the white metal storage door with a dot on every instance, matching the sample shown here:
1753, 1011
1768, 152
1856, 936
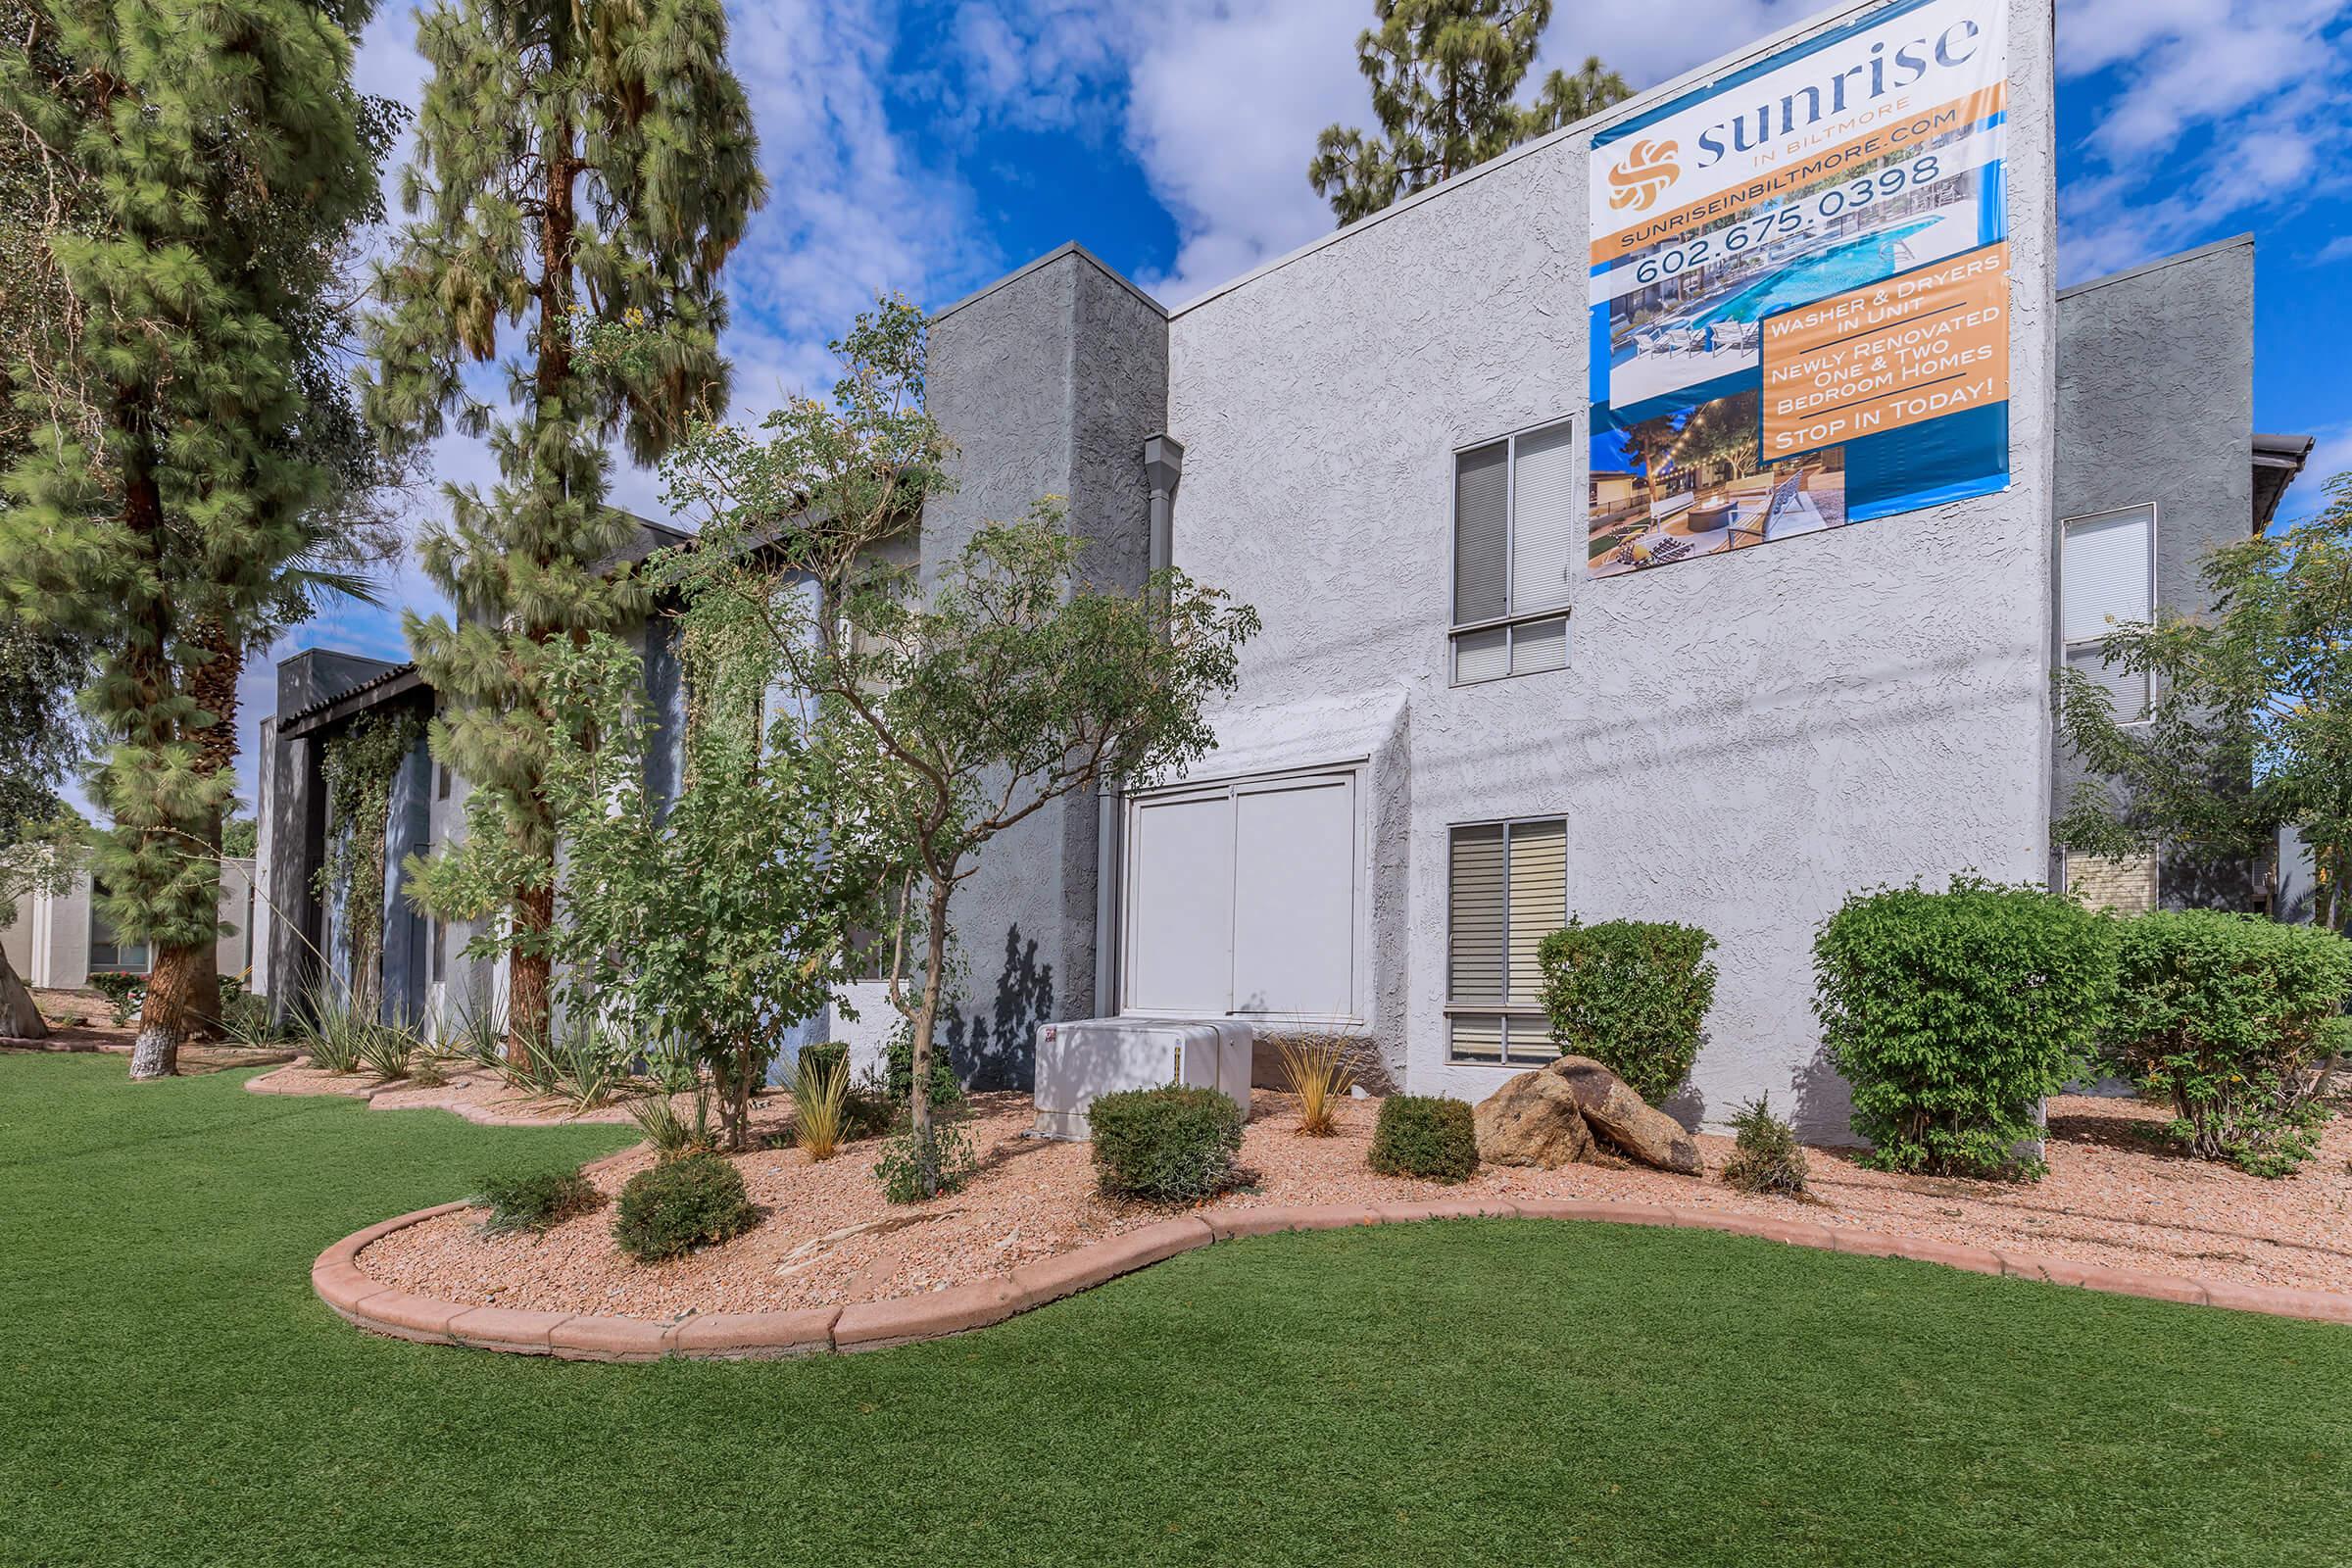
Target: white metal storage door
1180, 936
1293, 903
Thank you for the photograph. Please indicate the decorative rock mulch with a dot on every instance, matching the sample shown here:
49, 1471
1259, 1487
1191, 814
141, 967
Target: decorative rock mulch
832, 1266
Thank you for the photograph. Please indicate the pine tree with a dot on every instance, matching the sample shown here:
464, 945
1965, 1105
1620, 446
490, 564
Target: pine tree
1443, 74
580, 165
194, 172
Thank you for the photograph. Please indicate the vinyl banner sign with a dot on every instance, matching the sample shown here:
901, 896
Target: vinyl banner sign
1800, 291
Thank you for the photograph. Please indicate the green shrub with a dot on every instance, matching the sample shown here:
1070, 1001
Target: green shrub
535, 1202
898, 1075
1953, 1014
1633, 994
1766, 1156
124, 993
2228, 1016
817, 1060
947, 1155
1175, 1145
335, 1037
1427, 1135
680, 1204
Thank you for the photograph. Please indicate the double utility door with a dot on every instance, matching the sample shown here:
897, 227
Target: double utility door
1246, 899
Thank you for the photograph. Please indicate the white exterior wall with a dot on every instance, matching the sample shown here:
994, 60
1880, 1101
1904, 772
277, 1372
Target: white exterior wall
1738, 741
49, 942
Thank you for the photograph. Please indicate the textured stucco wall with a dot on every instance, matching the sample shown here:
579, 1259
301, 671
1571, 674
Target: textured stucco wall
2156, 405
1737, 741
1049, 382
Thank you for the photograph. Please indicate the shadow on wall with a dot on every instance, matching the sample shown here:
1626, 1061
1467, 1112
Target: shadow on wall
1825, 1102
1000, 1052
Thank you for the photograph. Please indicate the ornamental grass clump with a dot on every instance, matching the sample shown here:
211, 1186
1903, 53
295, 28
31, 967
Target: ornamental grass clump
1426, 1136
1766, 1156
1176, 1145
2232, 1019
1953, 1015
1632, 995
1318, 1077
680, 1204
820, 1090
535, 1201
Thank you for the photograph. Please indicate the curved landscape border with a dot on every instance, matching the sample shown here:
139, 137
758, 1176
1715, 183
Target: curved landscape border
905, 1320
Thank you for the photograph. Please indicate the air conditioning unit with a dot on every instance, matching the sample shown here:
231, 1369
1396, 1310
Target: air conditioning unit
1080, 1060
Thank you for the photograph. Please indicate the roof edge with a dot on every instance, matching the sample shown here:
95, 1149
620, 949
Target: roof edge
1066, 248
2160, 262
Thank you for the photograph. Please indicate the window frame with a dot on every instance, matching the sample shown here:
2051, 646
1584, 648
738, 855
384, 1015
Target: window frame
2068, 647
1506, 1012
1512, 619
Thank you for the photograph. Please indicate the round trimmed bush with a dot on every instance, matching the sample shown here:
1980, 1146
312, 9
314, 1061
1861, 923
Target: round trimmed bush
679, 1204
1633, 994
1953, 1015
1165, 1146
1427, 1135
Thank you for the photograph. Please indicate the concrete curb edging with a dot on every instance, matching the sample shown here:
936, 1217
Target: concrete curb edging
905, 1320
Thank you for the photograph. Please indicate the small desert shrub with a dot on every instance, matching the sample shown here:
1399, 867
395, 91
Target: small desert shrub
582, 1065
386, 1051
820, 1092
674, 1136
2228, 1017
335, 1037
124, 993
1953, 1015
1165, 1146
1766, 1156
245, 1018
1318, 1077
947, 1155
537, 1201
1633, 994
1427, 1135
681, 1204
899, 1070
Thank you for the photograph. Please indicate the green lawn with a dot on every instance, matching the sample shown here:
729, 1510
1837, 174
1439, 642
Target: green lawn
1465, 1393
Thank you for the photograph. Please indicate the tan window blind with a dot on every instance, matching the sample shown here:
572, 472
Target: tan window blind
1539, 901
1476, 972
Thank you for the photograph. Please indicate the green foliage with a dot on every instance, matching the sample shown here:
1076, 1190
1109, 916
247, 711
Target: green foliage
335, 1035
897, 1073
1443, 74
672, 1135
2251, 727
1766, 1156
713, 920
387, 1052
819, 1109
358, 766
184, 187
2227, 1015
680, 1204
1633, 994
943, 709
1173, 1145
1953, 1014
590, 164
122, 993
921, 1163
536, 1202
1427, 1136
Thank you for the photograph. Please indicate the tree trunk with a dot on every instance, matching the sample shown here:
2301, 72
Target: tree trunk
20, 1020
926, 1020
164, 1016
528, 972
214, 687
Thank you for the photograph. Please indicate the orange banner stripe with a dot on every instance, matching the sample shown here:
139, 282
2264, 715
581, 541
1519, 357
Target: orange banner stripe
1819, 167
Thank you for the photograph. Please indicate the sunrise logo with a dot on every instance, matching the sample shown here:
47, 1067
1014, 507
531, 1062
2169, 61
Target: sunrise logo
1647, 170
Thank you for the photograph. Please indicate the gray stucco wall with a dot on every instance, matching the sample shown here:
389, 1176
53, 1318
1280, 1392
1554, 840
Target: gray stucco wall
2156, 405
1738, 741
1049, 382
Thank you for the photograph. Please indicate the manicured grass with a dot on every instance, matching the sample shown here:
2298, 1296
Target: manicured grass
1454, 1394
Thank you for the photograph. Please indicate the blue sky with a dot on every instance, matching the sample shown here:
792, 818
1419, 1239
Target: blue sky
930, 145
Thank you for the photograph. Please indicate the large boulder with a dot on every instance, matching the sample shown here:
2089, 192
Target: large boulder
1532, 1120
1613, 1112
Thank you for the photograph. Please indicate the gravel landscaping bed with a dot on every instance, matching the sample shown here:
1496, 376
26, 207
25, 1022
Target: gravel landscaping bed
827, 1238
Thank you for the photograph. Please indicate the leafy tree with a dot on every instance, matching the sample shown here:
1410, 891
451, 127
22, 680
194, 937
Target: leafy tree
1443, 74
2251, 729
940, 715
41, 738
193, 178
714, 920
43, 856
577, 163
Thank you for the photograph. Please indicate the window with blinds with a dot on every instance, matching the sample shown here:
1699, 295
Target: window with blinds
1507, 889
2106, 578
1514, 537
